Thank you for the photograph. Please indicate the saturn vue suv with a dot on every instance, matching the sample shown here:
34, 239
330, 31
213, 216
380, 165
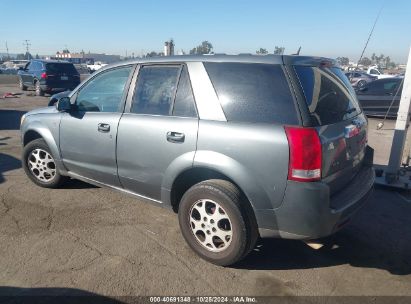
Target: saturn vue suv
240, 147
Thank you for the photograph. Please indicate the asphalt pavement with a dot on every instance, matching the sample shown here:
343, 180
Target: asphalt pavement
87, 240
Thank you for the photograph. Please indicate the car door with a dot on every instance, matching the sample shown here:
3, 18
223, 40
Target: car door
24, 74
158, 128
377, 96
88, 133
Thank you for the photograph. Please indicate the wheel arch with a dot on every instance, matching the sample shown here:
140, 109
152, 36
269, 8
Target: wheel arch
36, 131
212, 165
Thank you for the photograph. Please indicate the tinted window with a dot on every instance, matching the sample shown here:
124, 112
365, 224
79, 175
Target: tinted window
184, 105
155, 90
328, 93
382, 86
253, 92
67, 68
104, 92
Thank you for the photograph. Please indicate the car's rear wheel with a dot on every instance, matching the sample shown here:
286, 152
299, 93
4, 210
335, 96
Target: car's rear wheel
40, 166
215, 223
21, 85
39, 91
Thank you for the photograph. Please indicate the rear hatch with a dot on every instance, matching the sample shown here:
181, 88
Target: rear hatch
62, 75
334, 111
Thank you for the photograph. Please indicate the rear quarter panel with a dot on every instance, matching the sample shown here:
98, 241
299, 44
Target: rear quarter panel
254, 156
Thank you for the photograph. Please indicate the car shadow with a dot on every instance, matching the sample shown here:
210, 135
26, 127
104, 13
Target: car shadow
10, 119
50, 295
377, 237
8, 163
77, 184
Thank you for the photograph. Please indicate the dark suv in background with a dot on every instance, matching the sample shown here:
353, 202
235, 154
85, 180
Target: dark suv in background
48, 76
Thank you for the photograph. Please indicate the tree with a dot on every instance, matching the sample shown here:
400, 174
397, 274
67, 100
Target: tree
279, 50
261, 51
37, 56
154, 54
343, 61
20, 57
204, 48
365, 61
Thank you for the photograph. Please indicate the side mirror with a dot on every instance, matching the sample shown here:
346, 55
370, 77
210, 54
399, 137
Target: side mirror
64, 104
20, 69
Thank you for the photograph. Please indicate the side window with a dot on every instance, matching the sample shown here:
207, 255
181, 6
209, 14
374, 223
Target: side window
184, 105
375, 87
104, 92
30, 66
390, 86
155, 90
374, 72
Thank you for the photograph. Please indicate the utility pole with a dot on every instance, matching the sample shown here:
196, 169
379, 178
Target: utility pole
27, 44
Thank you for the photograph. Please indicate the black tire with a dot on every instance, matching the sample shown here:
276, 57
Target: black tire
49, 180
21, 85
39, 91
241, 220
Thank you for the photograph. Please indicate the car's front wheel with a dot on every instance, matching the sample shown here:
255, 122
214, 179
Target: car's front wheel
215, 222
40, 166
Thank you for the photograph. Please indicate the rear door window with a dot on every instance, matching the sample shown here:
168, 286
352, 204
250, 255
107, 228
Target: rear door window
253, 92
155, 90
184, 105
328, 93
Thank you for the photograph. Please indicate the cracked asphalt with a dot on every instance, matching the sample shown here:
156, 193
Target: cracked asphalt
86, 239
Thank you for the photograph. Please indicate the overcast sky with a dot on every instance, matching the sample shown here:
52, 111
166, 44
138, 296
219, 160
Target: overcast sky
324, 28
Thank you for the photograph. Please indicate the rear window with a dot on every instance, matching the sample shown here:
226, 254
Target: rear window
330, 97
251, 92
66, 68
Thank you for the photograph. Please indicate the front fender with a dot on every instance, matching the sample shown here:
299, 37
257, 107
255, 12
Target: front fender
48, 130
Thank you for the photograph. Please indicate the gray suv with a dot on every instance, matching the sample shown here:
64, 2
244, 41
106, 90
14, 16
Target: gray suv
240, 147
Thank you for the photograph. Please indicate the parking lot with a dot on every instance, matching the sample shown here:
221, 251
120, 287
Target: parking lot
84, 238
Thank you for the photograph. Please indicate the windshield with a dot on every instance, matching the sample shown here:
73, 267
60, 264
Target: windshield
328, 93
66, 68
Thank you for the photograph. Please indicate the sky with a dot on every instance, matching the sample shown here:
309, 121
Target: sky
322, 28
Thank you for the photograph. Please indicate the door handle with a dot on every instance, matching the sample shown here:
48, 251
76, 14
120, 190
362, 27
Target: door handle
103, 127
175, 137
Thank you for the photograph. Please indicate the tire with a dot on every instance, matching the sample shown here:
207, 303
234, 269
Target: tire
39, 91
39, 165
21, 85
361, 83
233, 233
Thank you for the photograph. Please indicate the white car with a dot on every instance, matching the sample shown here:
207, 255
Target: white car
96, 66
373, 71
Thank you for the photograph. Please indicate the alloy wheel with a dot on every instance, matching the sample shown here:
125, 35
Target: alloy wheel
42, 165
210, 225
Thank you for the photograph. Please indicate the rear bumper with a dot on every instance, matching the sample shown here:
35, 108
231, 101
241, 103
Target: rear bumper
59, 88
308, 211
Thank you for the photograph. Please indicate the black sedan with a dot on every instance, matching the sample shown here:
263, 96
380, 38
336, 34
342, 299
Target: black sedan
376, 97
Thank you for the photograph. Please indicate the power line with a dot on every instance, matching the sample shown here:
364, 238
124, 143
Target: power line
369, 36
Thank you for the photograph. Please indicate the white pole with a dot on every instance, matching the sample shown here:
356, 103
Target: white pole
402, 123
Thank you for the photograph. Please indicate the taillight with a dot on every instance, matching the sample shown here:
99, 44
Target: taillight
305, 154
43, 75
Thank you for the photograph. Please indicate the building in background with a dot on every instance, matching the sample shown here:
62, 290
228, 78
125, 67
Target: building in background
86, 58
169, 48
